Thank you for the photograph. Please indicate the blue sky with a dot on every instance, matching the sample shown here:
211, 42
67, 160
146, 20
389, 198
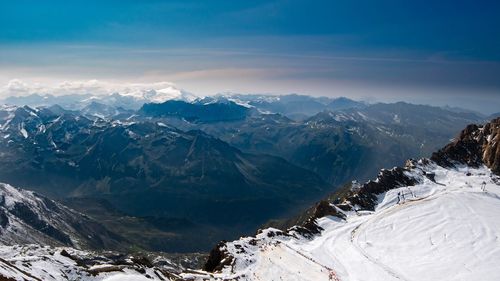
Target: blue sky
444, 52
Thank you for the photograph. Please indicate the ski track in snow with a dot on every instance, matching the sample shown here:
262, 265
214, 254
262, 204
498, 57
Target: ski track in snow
455, 211
355, 234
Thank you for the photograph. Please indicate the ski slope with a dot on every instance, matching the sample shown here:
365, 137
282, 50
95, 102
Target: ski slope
443, 230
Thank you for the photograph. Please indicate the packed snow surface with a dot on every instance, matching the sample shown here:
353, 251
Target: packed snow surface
443, 230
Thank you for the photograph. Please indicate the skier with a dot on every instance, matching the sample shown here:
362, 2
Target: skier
483, 186
411, 192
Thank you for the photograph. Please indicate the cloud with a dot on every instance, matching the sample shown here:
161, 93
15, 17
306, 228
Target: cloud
17, 87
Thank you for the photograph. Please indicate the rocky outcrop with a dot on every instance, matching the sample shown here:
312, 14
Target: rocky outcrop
491, 150
365, 197
476, 145
218, 258
309, 227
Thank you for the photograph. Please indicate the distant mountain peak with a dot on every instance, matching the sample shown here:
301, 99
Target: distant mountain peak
128, 96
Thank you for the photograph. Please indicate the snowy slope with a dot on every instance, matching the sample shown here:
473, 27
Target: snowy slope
26, 217
35, 263
445, 229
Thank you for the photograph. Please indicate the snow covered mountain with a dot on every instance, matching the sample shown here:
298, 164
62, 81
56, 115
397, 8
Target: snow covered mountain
431, 220
293, 105
134, 96
26, 217
129, 96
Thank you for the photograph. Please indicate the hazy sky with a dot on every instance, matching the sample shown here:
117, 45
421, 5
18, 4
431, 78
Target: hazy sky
439, 52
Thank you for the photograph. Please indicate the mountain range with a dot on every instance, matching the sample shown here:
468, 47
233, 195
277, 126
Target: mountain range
293, 105
150, 169
440, 215
344, 144
208, 164
221, 165
130, 98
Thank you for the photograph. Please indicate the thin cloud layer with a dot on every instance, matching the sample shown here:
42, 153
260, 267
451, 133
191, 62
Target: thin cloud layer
165, 90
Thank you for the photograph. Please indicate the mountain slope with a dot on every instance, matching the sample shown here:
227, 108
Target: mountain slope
420, 222
37, 263
494, 115
26, 217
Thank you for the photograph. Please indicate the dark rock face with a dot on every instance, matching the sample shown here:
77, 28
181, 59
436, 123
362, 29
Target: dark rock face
217, 258
323, 209
466, 149
386, 180
491, 150
476, 145
4, 220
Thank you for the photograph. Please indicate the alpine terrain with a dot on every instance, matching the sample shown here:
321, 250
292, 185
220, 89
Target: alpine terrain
268, 140
433, 219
